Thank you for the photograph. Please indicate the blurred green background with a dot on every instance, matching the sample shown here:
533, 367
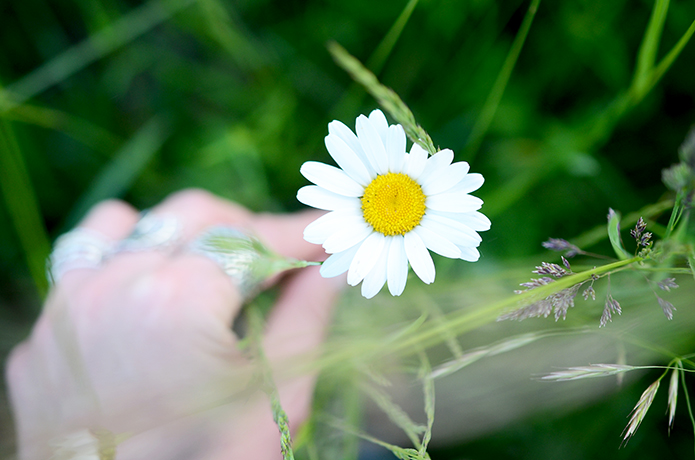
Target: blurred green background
135, 100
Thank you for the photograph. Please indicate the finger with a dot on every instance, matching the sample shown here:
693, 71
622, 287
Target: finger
284, 234
196, 210
114, 220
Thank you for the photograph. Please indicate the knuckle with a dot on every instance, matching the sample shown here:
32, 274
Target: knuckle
194, 197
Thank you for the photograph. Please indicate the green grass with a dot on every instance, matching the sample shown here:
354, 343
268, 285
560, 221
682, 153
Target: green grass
566, 108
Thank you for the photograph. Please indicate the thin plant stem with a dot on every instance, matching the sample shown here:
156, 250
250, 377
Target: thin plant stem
268, 386
386, 97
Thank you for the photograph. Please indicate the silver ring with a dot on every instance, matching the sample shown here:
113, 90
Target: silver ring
237, 254
78, 248
152, 231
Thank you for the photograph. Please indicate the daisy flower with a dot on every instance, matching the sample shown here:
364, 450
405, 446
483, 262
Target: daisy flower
389, 207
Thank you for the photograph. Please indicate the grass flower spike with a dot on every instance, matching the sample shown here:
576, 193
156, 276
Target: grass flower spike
389, 207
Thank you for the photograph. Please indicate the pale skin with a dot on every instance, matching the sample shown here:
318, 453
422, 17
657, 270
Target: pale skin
142, 346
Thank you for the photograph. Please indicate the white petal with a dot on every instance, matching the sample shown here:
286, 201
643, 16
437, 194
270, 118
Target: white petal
395, 148
435, 165
415, 161
397, 268
338, 128
320, 198
453, 223
452, 231
470, 183
419, 257
372, 145
347, 237
470, 254
331, 178
444, 179
349, 160
454, 202
376, 277
437, 243
365, 258
474, 220
319, 230
379, 122
338, 263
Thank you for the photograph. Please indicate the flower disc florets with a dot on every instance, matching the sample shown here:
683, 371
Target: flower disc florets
393, 204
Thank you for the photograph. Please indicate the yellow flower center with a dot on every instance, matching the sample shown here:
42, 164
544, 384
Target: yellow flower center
393, 204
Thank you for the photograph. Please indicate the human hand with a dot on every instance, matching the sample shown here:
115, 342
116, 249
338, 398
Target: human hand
143, 346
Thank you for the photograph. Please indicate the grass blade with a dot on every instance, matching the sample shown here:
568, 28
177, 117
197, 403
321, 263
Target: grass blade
614, 235
23, 207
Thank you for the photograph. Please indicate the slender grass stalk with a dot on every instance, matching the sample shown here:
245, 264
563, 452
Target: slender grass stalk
437, 315
687, 403
426, 335
398, 452
428, 394
464, 321
397, 416
268, 385
386, 97
495, 96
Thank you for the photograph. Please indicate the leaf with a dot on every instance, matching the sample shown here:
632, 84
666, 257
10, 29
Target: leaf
614, 235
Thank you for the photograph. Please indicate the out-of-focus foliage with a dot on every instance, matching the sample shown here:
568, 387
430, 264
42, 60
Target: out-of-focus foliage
134, 100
